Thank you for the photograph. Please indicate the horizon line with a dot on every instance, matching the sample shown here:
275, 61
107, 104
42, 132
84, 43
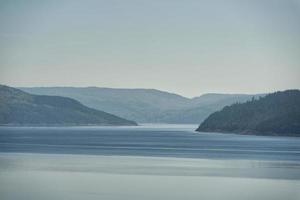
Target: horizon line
160, 90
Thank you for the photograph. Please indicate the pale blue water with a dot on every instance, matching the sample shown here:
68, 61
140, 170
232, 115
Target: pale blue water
145, 163
149, 140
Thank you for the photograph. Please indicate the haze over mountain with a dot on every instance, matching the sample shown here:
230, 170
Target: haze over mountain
145, 105
275, 114
20, 108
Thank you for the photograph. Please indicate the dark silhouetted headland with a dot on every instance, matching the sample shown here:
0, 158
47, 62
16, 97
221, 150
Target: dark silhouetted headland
275, 114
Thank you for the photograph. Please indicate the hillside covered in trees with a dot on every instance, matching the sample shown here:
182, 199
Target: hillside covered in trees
275, 114
146, 105
20, 108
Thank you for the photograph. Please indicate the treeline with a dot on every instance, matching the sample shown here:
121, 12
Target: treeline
275, 114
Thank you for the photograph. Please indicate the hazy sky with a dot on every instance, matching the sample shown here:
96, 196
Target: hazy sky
188, 47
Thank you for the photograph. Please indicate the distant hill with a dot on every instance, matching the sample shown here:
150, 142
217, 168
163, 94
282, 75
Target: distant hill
20, 108
199, 108
145, 105
275, 114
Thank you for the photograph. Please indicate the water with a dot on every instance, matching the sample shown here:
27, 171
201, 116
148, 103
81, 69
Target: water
150, 140
145, 162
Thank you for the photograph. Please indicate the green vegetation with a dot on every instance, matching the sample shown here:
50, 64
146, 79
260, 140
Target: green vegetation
275, 114
20, 108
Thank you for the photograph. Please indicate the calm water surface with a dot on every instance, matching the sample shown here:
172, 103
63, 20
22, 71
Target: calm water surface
146, 162
149, 140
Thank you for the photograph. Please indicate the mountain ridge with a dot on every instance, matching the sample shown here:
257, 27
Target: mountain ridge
145, 105
20, 108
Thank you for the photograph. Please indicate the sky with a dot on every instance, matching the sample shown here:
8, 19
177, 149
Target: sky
186, 47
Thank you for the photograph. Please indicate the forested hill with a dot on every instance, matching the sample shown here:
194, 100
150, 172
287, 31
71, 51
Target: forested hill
20, 108
146, 105
275, 114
